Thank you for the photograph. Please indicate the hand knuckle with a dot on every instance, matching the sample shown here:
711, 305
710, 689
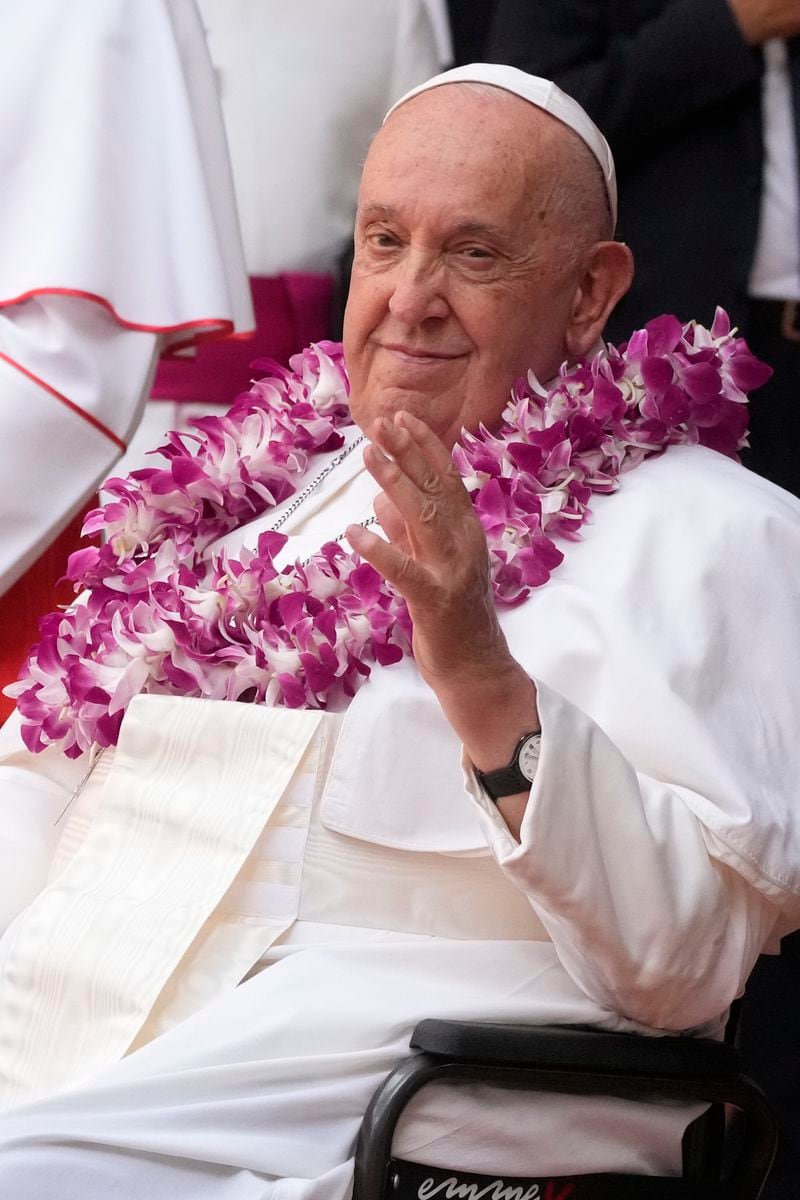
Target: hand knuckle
432, 483
428, 511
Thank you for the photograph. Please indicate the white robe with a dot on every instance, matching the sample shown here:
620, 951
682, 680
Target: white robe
118, 238
659, 851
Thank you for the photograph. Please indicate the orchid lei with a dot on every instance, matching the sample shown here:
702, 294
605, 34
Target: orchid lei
162, 615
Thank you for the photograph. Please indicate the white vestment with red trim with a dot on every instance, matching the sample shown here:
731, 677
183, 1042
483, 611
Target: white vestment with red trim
118, 237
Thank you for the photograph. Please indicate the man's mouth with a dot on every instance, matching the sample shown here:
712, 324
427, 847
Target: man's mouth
420, 354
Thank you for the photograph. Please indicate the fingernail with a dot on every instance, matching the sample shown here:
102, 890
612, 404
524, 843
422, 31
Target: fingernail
353, 533
375, 454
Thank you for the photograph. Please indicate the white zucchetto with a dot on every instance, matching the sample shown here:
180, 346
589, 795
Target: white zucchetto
544, 94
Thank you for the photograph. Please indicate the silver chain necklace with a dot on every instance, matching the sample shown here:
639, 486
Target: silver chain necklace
311, 487
299, 499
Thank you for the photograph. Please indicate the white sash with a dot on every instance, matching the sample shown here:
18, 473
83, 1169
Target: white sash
190, 789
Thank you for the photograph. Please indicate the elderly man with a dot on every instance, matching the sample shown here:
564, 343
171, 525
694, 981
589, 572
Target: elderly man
236, 917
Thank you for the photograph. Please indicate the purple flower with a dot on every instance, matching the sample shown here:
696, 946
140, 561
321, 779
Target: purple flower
160, 614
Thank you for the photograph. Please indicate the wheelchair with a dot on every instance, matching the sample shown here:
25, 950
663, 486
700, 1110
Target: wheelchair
727, 1152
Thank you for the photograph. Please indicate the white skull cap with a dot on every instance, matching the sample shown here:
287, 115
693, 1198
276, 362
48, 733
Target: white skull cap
544, 94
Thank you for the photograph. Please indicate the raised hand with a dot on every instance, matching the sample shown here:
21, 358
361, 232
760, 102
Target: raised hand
438, 560
436, 555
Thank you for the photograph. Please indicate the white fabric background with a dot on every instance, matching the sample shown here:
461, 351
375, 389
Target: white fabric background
304, 86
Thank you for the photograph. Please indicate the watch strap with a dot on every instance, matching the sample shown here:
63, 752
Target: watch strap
508, 780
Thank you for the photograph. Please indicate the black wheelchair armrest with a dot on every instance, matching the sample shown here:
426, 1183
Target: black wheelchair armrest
576, 1048
578, 1061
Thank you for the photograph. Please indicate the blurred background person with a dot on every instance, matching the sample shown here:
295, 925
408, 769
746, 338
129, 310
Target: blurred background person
700, 100
118, 240
470, 23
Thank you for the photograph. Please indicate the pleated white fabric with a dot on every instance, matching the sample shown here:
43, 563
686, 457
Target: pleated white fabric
191, 787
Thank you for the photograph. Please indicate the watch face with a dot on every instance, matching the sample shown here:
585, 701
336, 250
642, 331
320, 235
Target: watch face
528, 757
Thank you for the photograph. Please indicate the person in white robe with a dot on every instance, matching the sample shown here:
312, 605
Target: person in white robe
220, 936
115, 245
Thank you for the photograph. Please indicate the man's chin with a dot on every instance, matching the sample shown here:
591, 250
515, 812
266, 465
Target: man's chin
428, 406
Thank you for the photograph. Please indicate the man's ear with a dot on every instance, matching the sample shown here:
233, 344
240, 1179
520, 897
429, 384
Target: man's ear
605, 279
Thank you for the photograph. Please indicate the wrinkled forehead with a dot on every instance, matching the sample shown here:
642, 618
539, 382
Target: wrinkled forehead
485, 117
451, 138
496, 80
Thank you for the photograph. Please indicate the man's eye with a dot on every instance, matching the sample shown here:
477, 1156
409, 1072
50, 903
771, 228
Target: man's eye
382, 241
476, 254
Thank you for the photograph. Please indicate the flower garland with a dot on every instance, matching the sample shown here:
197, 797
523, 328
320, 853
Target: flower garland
161, 615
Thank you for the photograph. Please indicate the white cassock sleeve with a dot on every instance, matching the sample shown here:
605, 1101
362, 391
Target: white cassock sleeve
644, 920
661, 842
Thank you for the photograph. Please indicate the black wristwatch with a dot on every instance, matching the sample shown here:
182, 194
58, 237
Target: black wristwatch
519, 774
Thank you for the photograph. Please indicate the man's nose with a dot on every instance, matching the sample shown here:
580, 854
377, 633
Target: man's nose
418, 290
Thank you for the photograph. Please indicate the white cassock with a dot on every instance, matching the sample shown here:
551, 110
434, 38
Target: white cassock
340, 863
118, 239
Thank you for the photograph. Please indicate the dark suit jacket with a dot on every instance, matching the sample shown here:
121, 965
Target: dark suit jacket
469, 27
676, 91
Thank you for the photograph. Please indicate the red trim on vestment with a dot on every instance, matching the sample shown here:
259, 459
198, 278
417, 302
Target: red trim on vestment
81, 412
216, 327
211, 335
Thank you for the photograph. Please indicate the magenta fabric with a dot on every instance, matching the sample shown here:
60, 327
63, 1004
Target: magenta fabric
291, 310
